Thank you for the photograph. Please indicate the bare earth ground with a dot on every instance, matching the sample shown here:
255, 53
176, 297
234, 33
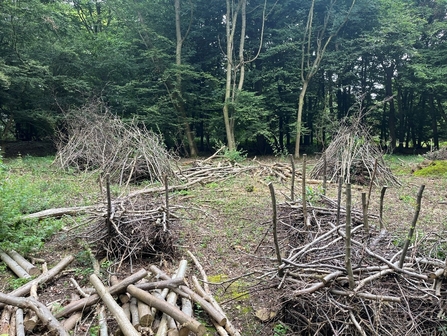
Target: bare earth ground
223, 224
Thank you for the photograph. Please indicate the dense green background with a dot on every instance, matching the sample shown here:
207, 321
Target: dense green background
58, 55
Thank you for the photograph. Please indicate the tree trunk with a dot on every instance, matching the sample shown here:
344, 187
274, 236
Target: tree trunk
434, 122
299, 118
178, 96
389, 71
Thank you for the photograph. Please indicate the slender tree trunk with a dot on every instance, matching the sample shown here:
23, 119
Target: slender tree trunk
434, 122
401, 113
230, 30
299, 118
389, 71
178, 97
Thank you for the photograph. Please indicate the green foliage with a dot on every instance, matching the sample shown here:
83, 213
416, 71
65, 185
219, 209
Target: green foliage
29, 185
18, 282
94, 330
280, 329
234, 156
124, 52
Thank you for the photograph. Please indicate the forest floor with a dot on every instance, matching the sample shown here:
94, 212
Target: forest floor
227, 226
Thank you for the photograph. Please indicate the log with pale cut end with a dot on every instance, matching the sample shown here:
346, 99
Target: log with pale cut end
14, 266
171, 310
94, 298
25, 264
134, 317
125, 325
31, 319
145, 313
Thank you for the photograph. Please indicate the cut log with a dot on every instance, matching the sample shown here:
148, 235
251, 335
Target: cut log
25, 264
144, 311
25, 289
187, 292
134, 317
124, 323
229, 327
20, 330
41, 310
171, 299
70, 323
94, 298
124, 298
12, 323
58, 212
14, 266
31, 319
102, 321
4, 321
170, 284
187, 309
171, 310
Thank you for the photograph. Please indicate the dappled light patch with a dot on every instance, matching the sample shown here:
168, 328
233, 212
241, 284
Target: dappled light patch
431, 168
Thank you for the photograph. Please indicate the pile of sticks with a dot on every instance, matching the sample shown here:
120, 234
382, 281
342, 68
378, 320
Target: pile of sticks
353, 155
340, 277
133, 228
150, 302
94, 139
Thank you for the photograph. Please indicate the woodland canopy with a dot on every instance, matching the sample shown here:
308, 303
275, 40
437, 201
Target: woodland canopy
182, 69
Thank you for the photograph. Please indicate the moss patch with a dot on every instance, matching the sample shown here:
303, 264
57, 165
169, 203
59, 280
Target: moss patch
434, 168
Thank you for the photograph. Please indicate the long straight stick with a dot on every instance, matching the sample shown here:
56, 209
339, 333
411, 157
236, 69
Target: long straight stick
382, 196
413, 226
274, 219
348, 261
292, 187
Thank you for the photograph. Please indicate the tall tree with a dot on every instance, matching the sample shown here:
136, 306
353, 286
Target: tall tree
315, 41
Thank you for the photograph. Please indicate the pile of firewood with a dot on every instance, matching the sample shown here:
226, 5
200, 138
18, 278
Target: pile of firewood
150, 302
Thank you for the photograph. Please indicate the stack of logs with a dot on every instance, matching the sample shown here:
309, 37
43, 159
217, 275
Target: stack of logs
156, 304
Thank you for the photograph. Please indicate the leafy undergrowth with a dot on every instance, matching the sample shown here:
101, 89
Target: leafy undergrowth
226, 225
